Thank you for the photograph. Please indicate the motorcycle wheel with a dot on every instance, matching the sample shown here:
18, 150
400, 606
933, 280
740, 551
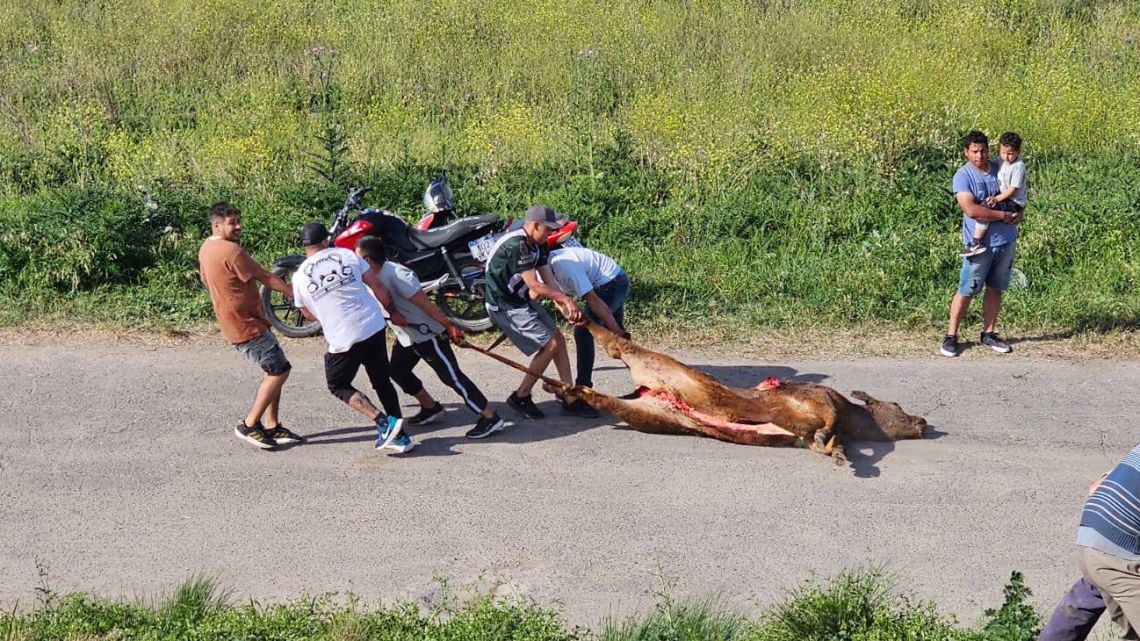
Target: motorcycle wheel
466, 309
282, 314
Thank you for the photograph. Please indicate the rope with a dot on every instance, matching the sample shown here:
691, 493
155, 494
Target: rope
519, 366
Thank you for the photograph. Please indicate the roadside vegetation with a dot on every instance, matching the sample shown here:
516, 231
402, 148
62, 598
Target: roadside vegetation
774, 164
858, 605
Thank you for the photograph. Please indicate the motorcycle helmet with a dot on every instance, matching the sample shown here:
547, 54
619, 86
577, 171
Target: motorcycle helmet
438, 196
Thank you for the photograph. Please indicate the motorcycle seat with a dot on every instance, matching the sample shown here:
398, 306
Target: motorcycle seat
441, 236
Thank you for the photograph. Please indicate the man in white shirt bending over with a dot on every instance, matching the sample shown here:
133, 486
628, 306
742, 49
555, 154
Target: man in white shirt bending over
604, 286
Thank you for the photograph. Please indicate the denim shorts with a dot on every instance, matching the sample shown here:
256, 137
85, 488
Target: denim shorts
991, 269
529, 327
265, 352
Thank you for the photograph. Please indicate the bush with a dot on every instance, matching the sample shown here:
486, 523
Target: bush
857, 605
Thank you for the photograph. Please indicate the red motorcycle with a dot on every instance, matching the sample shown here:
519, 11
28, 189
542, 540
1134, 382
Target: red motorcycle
439, 201
449, 261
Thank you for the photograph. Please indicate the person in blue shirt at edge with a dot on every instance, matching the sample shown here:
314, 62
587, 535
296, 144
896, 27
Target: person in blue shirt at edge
1108, 555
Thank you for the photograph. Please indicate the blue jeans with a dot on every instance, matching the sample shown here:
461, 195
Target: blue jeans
991, 269
613, 294
1076, 614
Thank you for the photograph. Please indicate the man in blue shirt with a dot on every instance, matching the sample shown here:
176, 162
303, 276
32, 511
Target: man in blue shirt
975, 182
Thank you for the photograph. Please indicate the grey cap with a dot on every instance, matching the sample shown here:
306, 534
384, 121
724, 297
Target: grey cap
313, 234
545, 215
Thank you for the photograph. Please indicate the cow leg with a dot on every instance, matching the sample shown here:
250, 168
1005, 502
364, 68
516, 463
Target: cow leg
825, 439
838, 453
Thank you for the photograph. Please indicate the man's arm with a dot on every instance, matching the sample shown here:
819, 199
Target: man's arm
602, 311
421, 300
980, 213
275, 282
247, 269
372, 279
544, 288
540, 289
306, 313
1003, 196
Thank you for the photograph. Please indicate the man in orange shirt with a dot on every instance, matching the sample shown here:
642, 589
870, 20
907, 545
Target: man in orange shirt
231, 276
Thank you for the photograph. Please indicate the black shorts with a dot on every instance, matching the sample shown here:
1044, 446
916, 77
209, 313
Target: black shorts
341, 369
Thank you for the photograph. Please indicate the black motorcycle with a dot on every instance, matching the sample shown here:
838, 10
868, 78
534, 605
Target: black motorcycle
448, 260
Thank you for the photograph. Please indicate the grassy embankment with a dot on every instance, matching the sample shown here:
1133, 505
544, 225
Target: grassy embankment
754, 165
854, 606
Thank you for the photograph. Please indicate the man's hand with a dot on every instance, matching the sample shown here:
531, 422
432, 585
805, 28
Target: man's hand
1096, 483
454, 333
397, 319
991, 202
570, 310
1016, 217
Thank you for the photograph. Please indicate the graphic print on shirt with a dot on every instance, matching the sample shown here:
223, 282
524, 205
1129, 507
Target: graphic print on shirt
328, 274
527, 258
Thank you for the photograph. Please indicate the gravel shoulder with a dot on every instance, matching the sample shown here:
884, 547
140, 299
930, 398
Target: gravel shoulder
119, 471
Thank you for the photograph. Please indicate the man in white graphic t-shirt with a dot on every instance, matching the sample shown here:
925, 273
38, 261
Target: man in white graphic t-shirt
333, 286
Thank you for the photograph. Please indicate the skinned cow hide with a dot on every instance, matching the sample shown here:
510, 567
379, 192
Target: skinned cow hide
672, 398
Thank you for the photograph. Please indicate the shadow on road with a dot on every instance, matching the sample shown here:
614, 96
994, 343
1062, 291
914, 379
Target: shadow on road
341, 435
864, 456
518, 429
750, 375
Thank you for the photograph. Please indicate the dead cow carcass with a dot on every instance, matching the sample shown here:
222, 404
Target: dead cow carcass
672, 398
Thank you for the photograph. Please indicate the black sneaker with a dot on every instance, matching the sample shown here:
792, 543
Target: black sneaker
525, 405
578, 408
949, 345
282, 434
994, 342
485, 427
973, 249
426, 414
255, 436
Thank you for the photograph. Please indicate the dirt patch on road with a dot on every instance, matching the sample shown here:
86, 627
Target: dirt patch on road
812, 342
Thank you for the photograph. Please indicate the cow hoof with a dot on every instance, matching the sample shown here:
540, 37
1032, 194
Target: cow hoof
824, 439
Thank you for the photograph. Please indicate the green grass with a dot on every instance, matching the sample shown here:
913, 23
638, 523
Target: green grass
858, 605
752, 164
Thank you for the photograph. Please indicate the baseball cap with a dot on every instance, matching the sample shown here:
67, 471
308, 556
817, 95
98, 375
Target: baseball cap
313, 233
545, 215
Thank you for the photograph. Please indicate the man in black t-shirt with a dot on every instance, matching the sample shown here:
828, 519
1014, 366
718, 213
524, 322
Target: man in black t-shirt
517, 261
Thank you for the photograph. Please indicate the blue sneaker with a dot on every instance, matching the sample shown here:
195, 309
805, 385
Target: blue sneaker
387, 434
403, 443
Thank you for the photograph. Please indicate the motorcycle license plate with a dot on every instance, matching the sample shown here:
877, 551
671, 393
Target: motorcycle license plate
481, 247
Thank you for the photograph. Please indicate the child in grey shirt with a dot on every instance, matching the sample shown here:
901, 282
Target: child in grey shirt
1011, 181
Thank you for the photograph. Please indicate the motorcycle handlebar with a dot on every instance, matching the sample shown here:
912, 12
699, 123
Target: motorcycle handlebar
352, 202
355, 194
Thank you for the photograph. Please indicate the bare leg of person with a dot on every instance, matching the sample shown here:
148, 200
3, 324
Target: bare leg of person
991, 306
539, 363
958, 308
268, 396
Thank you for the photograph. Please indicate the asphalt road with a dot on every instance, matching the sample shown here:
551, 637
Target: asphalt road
119, 472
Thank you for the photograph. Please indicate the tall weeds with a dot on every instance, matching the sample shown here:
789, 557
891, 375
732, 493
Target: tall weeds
752, 163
